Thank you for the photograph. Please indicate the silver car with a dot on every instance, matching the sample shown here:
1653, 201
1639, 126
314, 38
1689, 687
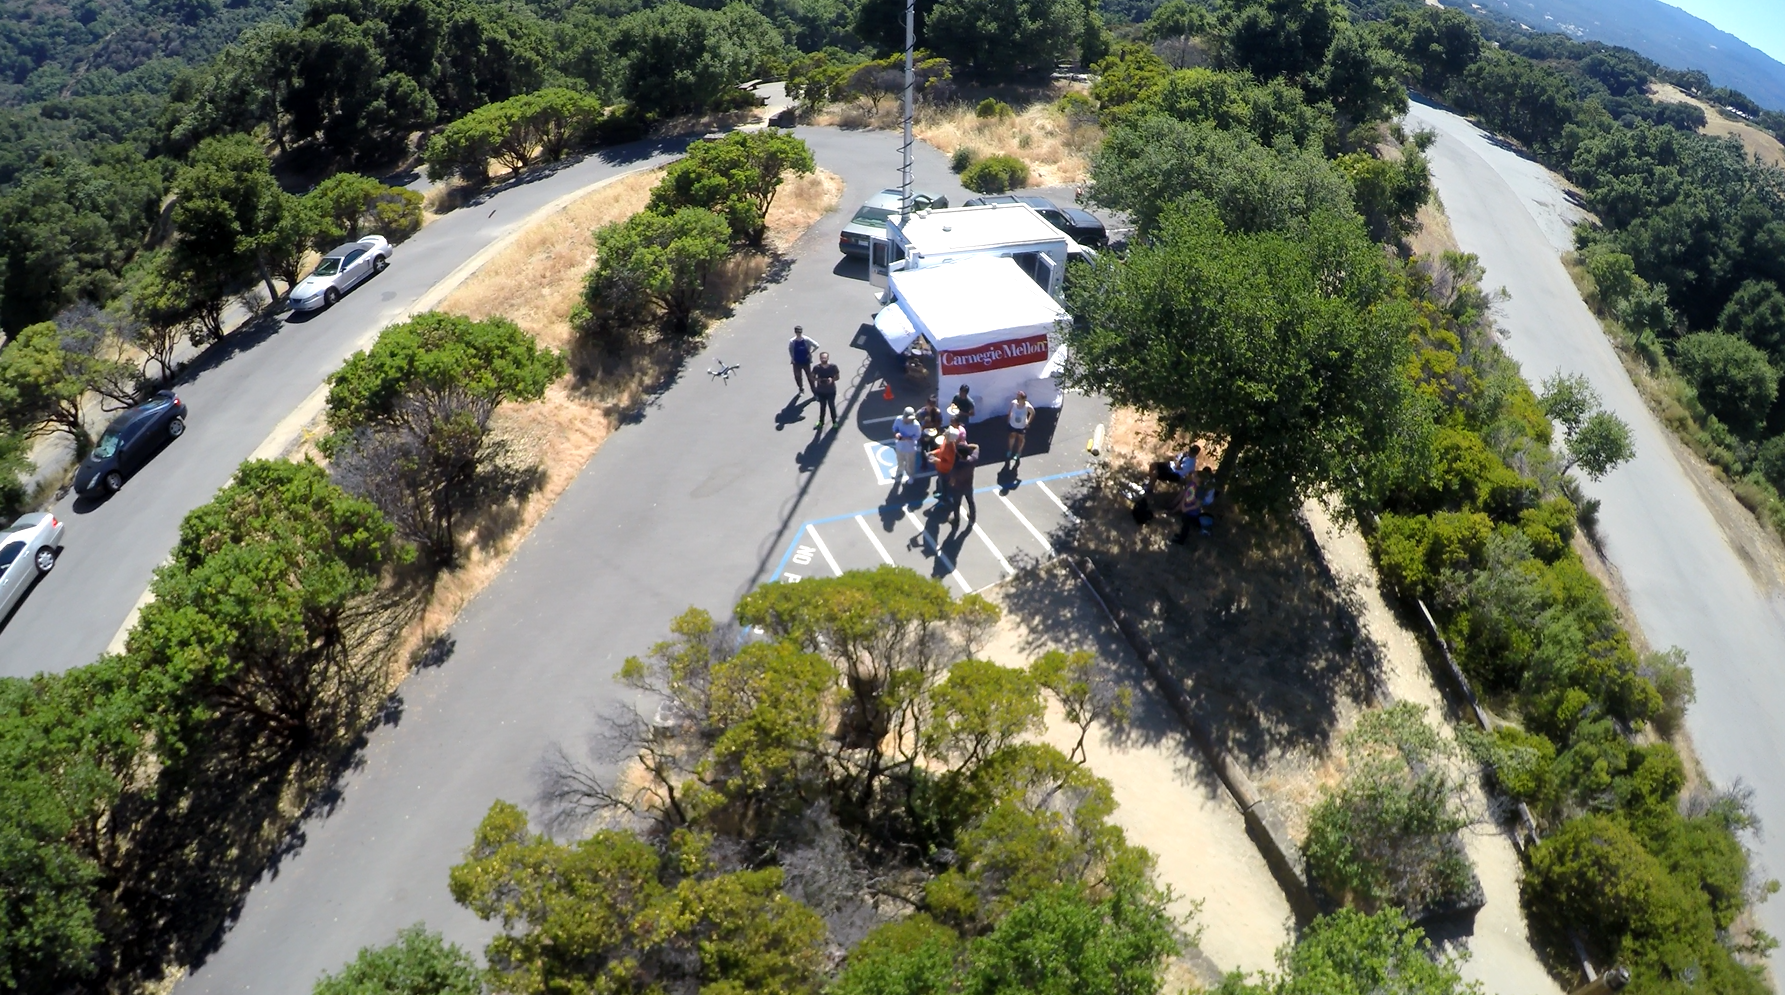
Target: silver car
870, 218
341, 270
28, 549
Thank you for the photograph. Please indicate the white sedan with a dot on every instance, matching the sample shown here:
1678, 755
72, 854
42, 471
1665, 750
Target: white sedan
28, 549
340, 271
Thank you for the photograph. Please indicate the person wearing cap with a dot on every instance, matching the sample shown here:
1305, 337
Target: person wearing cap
906, 431
942, 458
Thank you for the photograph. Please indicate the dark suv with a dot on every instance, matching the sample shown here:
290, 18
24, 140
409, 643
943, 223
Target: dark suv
1083, 226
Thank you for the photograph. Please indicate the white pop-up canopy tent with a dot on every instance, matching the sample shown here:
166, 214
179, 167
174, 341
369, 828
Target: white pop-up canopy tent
992, 328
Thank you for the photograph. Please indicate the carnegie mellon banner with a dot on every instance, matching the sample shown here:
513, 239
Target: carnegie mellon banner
996, 356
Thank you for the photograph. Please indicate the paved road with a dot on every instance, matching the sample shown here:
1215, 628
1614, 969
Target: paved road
1687, 584
237, 393
708, 494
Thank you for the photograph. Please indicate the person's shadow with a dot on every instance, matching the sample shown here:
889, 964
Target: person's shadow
811, 457
793, 412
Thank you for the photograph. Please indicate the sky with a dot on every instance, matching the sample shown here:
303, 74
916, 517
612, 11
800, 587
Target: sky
1760, 23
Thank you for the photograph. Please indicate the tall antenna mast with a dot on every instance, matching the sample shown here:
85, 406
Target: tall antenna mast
910, 88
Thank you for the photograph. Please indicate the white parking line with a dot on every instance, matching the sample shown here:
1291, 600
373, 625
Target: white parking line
885, 557
824, 550
1028, 525
1009, 571
917, 523
1055, 498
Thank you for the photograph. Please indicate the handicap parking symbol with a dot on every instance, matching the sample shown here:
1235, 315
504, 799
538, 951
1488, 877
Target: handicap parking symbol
883, 460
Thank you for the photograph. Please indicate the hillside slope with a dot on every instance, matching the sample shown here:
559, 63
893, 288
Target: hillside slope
1666, 34
52, 48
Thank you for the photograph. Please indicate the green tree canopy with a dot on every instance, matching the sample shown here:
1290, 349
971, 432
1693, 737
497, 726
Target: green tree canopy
998, 39
1349, 953
1064, 942
418, 963
735, 177
253, 622
1756, 312
681, 59
1734, 380
1286, 349
661, 258
1437, 43
435, 357
1144, 167
45, 379
613, 914
1272, 38
228, 212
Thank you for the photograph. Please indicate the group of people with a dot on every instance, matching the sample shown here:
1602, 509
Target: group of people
927, 436
822, 376
1197, 499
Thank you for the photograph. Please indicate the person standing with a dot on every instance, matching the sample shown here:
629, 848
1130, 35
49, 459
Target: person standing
962, 406
800, 350
960, 482
906, 431
824, 379
931, 416
942, 458
1021, 412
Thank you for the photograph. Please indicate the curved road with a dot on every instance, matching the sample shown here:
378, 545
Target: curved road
708, 494
1687, 584
238, 392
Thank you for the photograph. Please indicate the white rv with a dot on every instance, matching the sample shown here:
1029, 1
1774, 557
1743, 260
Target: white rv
1010, 231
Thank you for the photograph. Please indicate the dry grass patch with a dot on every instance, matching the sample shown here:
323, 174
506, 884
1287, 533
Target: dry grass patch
1057, 149
799, 205
538, 448
1756, 142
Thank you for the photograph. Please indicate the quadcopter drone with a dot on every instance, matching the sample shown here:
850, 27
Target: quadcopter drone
724, 372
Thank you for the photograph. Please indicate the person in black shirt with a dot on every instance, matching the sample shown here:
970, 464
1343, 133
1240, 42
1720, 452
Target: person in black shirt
963, 405
824, 388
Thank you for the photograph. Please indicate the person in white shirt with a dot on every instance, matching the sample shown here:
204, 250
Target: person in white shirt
1021, 413
906, 431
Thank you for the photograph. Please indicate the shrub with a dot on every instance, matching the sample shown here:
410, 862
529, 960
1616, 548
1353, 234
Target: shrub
418, 963
652, 259
1550, 527
1668, 671
1733, 379
996, 174
914, 956
994, 109
1348, 953
1387, 835
1770, 461
1523, 763
962, 158
1076, 108
735, 177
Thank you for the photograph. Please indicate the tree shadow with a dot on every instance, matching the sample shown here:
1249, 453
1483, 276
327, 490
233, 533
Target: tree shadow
1266, 644
247, 336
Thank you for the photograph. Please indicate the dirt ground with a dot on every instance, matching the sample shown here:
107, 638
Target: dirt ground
1501, 955
1170, 803
1757, 142
1281, 635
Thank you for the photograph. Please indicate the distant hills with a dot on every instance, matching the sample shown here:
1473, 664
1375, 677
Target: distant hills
1666, 34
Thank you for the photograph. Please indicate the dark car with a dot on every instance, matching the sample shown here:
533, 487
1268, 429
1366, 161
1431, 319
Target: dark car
1083, 226
129, 442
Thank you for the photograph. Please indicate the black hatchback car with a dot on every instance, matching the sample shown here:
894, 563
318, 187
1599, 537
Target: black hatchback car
1083, 226
129, 442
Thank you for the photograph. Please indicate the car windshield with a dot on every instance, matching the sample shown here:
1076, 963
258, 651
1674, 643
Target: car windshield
9, 553
873, 217
329, 266
108, 444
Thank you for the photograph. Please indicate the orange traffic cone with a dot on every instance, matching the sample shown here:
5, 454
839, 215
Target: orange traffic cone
887, 393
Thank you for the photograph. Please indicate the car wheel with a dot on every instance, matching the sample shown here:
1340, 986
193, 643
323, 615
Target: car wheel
46, 560
176, 428
114, 481
330, 296
378, 264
